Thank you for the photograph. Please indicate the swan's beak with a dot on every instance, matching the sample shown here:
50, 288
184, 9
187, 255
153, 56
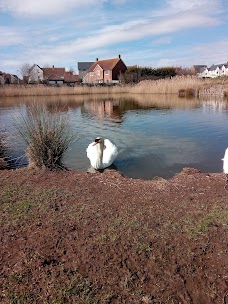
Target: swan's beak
95, 143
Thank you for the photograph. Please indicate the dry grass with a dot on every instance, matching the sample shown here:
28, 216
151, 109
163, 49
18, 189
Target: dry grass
169, 86
42, 90
48, 137
185, 86
179, 85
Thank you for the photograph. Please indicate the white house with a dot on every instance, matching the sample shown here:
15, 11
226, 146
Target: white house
36, 74
216, 70
224, 69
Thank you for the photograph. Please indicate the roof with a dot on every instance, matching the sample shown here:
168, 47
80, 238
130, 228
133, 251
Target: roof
84, 65
69, 77
213, 67
35, 65
48, 72
199, 67
55, 77
107, 64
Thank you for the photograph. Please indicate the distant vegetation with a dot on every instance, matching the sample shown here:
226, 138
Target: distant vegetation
136, 74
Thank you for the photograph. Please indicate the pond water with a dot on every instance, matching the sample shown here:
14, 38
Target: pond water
155, 135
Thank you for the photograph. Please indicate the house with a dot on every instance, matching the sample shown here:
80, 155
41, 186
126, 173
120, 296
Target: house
36, 74
213, 71
7, 78
53, 76
83, 68
224, 69
197, 69
59, 76
216, 70
105, 71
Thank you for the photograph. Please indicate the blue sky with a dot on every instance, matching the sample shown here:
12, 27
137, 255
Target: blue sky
152, 33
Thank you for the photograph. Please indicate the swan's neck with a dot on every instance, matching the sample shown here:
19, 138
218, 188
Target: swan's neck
100, 149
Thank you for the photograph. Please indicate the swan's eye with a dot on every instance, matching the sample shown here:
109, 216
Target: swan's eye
97, 140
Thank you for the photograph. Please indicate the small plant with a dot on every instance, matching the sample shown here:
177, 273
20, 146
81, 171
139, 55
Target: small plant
47, 135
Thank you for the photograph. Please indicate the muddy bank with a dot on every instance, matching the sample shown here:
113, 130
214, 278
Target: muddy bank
71, 237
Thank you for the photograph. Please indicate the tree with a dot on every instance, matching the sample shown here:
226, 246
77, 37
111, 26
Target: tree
71, 69
25, 71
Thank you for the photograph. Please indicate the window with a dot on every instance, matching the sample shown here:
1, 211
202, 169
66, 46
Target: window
98, 72
91, 73
107, 72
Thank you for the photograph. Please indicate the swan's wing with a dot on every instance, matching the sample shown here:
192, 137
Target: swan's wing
225, 162
110, 152
91, 152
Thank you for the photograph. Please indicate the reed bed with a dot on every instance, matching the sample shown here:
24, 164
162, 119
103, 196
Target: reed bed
179, 85
42, 90
170, 86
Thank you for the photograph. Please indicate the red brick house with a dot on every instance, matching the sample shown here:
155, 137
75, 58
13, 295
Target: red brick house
105, 71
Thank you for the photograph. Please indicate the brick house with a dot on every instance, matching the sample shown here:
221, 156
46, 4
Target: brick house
105, 71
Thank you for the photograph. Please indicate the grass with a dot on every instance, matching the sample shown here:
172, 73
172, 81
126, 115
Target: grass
188, 84
215, 217
48, 136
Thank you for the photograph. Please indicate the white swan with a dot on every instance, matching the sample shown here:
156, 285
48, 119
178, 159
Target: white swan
101, 153
225, 162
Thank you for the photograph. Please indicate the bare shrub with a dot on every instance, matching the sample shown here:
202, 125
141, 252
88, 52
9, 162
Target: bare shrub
47, 135
3, 148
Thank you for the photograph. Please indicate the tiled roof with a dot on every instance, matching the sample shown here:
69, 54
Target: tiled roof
107, 64
55, 77
69, 77
49, 72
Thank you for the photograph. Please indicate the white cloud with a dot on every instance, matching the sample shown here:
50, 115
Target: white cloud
43, 7
162, 40
10, 36
179, 6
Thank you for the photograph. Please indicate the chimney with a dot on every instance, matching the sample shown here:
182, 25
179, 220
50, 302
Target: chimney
119, 56
96, 59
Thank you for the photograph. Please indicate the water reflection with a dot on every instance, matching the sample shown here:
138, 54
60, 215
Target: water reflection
155, 135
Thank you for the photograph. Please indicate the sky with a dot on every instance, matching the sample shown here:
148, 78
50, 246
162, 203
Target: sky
153, 33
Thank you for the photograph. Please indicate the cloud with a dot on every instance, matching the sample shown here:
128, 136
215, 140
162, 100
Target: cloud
162, 40
10, 36
44, 53
179, 6
40, 8
139, 38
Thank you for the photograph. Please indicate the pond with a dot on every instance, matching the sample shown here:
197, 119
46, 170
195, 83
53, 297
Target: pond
155, 135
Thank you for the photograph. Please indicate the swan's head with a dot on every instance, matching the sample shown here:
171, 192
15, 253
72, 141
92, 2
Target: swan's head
98, 140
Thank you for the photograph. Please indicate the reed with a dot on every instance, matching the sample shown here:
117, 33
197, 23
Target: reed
42, 90
47, 135
169, 86
179, 85
3, 149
